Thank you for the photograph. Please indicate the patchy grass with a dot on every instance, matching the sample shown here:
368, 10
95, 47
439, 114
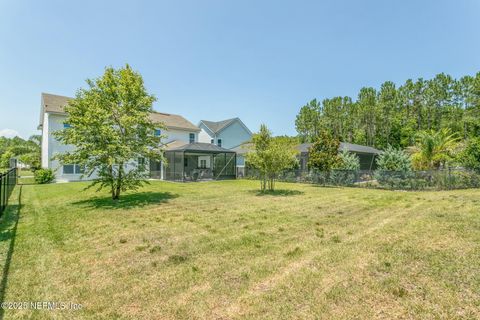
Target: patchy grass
222, 251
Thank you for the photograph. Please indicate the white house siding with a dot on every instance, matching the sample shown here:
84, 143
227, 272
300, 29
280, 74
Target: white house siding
45, 136
172, 134
55, 123
204, 135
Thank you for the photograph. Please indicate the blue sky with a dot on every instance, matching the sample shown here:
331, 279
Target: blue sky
258, 60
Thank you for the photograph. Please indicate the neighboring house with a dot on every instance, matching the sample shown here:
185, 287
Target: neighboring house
52, 118
366, 154
229, 134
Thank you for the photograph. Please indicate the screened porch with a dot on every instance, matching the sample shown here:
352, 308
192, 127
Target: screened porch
199, 162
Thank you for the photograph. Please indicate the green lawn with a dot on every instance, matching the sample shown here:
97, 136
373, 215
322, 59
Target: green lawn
220, 250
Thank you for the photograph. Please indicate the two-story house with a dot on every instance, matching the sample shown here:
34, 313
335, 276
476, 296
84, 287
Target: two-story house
190, 154
53, 117
229, 134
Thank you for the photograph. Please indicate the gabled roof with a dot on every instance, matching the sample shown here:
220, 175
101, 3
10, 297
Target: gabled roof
217, 126
343, 146
173, 121
196, 147
53, 103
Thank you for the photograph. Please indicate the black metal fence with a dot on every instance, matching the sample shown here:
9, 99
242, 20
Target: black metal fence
8, 180
447, 179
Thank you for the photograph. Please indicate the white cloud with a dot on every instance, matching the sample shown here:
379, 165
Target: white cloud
9, 133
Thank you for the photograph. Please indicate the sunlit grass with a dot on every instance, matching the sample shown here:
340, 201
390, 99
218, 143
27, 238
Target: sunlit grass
222, 250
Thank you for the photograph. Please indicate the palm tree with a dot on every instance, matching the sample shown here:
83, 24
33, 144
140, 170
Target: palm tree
433, 149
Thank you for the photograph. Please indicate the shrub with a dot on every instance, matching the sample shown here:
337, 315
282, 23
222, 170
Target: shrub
394, 160
349, 161
394, 167
470, 157
44, 176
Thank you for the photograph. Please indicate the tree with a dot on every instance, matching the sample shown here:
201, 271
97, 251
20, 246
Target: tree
307, 122
323, 153
27, 151
110, 127
270, 156
434, 149
393, 115
470, 156
5, 159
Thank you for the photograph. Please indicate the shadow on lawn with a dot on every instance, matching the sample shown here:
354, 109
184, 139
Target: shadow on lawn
128, 201
8, 232
278, 192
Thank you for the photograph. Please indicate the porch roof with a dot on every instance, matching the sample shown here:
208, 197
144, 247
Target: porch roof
198, 147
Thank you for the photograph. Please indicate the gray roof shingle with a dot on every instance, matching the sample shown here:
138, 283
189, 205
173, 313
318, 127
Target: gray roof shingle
217, 126
197, 147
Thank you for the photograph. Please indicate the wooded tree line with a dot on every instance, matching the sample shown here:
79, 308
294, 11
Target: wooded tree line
394, 115
26, 151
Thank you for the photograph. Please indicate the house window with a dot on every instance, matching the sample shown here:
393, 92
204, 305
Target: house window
219, 142
192, 137
203, 163
67, 125
141, 161
211, 141
157, 132
73, 169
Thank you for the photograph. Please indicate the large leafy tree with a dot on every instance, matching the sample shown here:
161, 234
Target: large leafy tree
323, 153
307, 122
270, 156
111, 129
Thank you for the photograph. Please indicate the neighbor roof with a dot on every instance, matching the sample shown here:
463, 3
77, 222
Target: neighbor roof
53, 103
344, 146
197, 147
217, 126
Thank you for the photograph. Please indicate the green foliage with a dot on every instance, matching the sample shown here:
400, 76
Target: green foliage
323, 153
470, 157
393, 159
270, 156
26, 151
393, 116
44, 176
349, 161
307, 122
434, 149
5, 159
110, 126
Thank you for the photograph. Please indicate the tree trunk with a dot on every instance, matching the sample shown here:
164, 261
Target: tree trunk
118, 186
